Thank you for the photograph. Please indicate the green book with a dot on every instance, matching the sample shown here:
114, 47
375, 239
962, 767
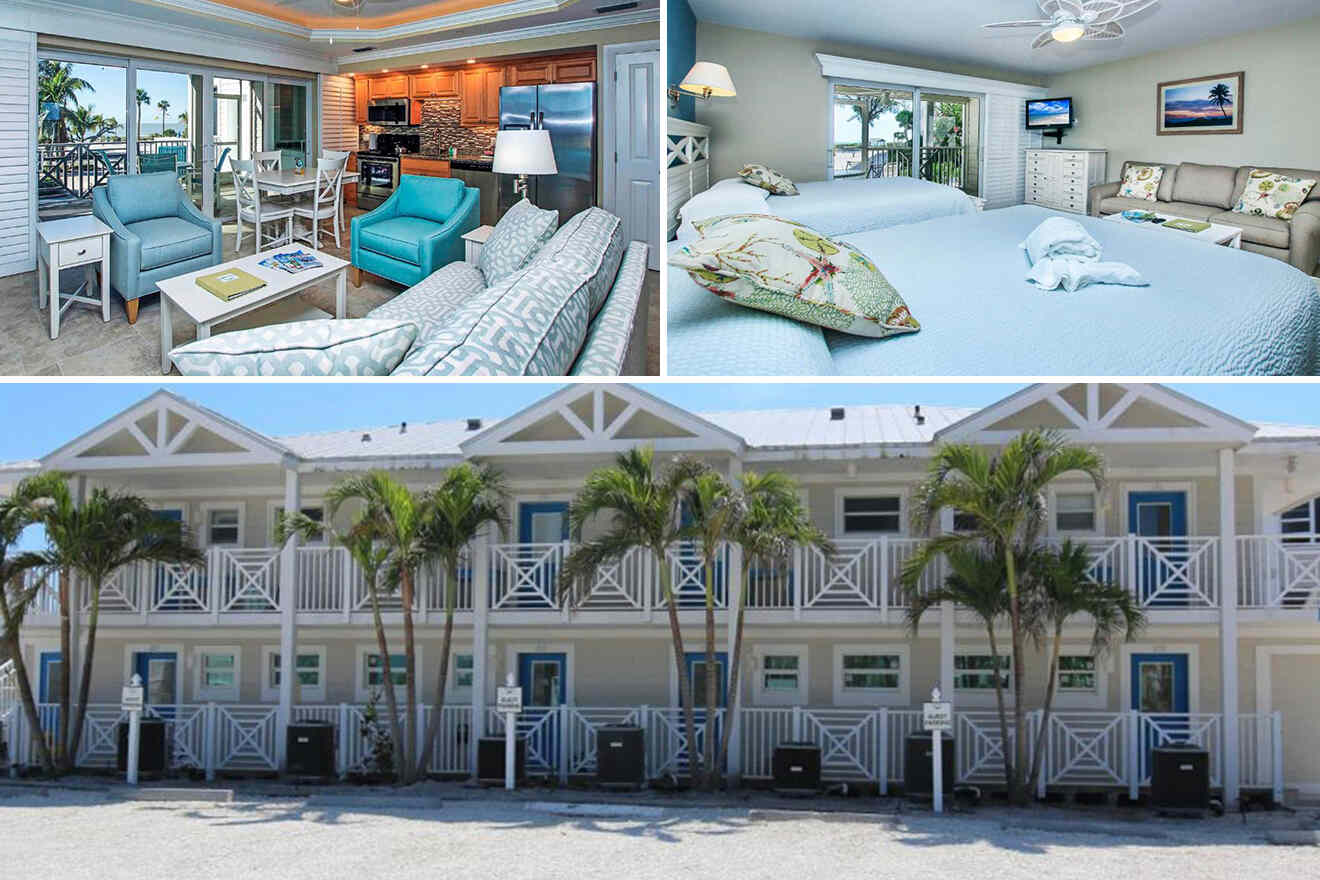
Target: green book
1187, 225
230, 283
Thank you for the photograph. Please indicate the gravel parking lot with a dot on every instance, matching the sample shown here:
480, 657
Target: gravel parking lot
75, 834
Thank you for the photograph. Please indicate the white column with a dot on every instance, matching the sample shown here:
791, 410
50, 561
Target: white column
480, 641
734, 605
1228, 629
288, 614
947, 636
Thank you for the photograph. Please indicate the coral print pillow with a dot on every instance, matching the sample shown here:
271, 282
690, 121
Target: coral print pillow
1141, 182
779, 266
768, 179
1273, 195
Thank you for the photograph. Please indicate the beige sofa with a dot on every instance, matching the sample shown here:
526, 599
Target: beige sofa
1209, 192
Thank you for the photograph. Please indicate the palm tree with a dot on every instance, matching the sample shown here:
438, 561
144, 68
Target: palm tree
644, 505
1221, 94
467, 499
163, 106
1064, 585
1004, 495
397, 517
183, 122
143, 99
866, 109
110, 530
57, 514
56, 84
16, 514
774, 523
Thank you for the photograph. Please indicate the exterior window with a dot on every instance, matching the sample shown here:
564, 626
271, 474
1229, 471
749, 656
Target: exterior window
1074, 512
871, 671
222, 527
376, 672
462, 670
964, 522
1077, 674
975, 672
217, 674
1299, 524
308, 667
863, 515
779, 672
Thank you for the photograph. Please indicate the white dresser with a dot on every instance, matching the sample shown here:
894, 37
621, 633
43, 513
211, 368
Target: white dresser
1060, 178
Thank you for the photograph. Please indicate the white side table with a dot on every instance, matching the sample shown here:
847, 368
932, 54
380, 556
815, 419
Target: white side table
66, 244
475, 239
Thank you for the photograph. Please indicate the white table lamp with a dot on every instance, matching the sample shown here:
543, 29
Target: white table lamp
523, 152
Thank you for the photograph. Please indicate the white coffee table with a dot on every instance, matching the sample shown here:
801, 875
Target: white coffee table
1228, 236
207, 310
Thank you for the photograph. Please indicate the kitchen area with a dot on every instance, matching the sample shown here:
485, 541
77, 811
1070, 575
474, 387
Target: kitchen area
442, 120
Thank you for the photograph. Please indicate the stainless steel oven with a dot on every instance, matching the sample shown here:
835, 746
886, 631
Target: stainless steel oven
377, 177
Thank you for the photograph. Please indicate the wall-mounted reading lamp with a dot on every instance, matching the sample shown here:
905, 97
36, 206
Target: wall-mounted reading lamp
705, 80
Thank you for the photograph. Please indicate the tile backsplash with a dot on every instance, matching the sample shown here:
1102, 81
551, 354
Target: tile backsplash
440, 130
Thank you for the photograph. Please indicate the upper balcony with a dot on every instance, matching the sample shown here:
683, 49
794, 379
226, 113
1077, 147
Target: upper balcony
1169, 576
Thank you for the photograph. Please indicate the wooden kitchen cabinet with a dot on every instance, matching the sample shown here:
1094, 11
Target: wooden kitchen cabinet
392, 86
574, 70
424, 167
479, 92
350, 189
361, 97
437, 84
531, 73
494, 81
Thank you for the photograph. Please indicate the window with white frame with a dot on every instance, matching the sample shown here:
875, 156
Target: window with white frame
872, 514
1298, 524
1074, 512
976, 672
374, 672
310, 669
870, 672
462, 677
315, 513
781, 675
217, 674
223, 527
1077, 674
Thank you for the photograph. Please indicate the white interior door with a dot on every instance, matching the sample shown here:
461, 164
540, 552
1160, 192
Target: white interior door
637, 148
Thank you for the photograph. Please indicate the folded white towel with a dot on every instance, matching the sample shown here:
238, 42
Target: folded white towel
1060, 237
1072, 273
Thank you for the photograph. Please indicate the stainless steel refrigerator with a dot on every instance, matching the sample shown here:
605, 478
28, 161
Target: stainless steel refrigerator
569, 113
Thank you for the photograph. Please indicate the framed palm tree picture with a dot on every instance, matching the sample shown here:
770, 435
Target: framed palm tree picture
1205, 105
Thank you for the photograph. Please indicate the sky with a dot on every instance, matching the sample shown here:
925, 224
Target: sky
109, 88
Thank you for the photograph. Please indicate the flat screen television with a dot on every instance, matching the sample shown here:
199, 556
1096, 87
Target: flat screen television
1050, 113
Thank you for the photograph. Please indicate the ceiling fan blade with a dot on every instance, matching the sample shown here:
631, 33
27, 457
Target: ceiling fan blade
1043, 40
1018, 24
1132, 7
1071, 8
1110, 30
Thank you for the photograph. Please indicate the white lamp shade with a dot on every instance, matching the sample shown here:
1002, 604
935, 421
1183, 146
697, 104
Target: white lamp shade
521, 151
708, 78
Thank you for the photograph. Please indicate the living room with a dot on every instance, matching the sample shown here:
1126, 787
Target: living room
1203, 95
361, 133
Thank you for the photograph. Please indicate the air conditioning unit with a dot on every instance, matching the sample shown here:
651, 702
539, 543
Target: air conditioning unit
917, 775
796, 768
490, 760
620, 756
1180, 778
310, 747
153, 757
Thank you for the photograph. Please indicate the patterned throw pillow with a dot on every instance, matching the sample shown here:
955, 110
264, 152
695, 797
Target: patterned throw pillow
359, 347
521, 232
1141, 182
779, 266
1273, 195
768, 179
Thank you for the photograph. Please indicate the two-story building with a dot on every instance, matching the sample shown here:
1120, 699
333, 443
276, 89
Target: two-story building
1209, 520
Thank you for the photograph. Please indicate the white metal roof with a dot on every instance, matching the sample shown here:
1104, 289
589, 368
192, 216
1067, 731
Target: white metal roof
419, 439
861, 425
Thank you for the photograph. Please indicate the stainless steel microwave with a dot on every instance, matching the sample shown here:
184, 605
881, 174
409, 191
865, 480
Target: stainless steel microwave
388, 111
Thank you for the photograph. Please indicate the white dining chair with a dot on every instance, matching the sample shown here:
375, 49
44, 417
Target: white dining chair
324, 203
247, 196
268, 160
338, 154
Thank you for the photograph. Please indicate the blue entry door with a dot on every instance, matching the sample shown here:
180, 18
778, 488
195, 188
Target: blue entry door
543, 677
696, 669
1160, 693
540, 523
1160, 518
159, 671
50, 678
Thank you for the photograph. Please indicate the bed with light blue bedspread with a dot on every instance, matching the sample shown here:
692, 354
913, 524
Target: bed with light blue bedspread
1209, 310
838, 207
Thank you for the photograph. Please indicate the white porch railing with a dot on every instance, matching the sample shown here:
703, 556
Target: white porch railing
1278, 571
526, 575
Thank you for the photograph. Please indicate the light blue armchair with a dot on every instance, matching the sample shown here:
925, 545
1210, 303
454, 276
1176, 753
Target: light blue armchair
158, 233
417, 230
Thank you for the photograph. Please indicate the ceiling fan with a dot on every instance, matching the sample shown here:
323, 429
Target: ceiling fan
1068, 21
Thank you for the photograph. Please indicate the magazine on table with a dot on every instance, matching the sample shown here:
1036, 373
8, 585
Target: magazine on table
292, 262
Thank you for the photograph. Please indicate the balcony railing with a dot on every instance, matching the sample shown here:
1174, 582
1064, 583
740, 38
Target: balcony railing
1274, 572
946, 165
68, 172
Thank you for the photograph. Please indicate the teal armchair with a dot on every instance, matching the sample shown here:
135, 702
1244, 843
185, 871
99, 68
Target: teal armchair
157, 233
416, 231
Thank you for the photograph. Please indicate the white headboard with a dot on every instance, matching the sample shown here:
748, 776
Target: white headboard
687, 165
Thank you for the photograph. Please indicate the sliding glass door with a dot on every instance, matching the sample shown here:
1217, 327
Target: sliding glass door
82, 135
238, 107
289, 121
169, 129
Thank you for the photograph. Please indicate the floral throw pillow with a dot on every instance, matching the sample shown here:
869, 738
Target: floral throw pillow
768, 179
1141, 182
1273, 195
779, 266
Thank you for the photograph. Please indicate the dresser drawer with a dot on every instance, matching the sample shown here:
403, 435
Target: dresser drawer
81, 251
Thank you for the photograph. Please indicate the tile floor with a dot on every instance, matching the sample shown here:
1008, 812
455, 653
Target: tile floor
88, 347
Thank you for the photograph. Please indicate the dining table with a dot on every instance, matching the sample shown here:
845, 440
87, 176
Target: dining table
286, 181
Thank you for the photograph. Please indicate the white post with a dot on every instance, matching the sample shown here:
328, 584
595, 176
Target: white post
882, 565
937, 760
1228, 629
948, 635
1038, 718
882, 760
209, 743
288, 615
343, 740
1134, 755
480, 642
134, 732
1276, 754
510, 738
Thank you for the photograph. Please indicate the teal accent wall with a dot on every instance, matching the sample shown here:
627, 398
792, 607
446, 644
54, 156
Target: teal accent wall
681, 37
